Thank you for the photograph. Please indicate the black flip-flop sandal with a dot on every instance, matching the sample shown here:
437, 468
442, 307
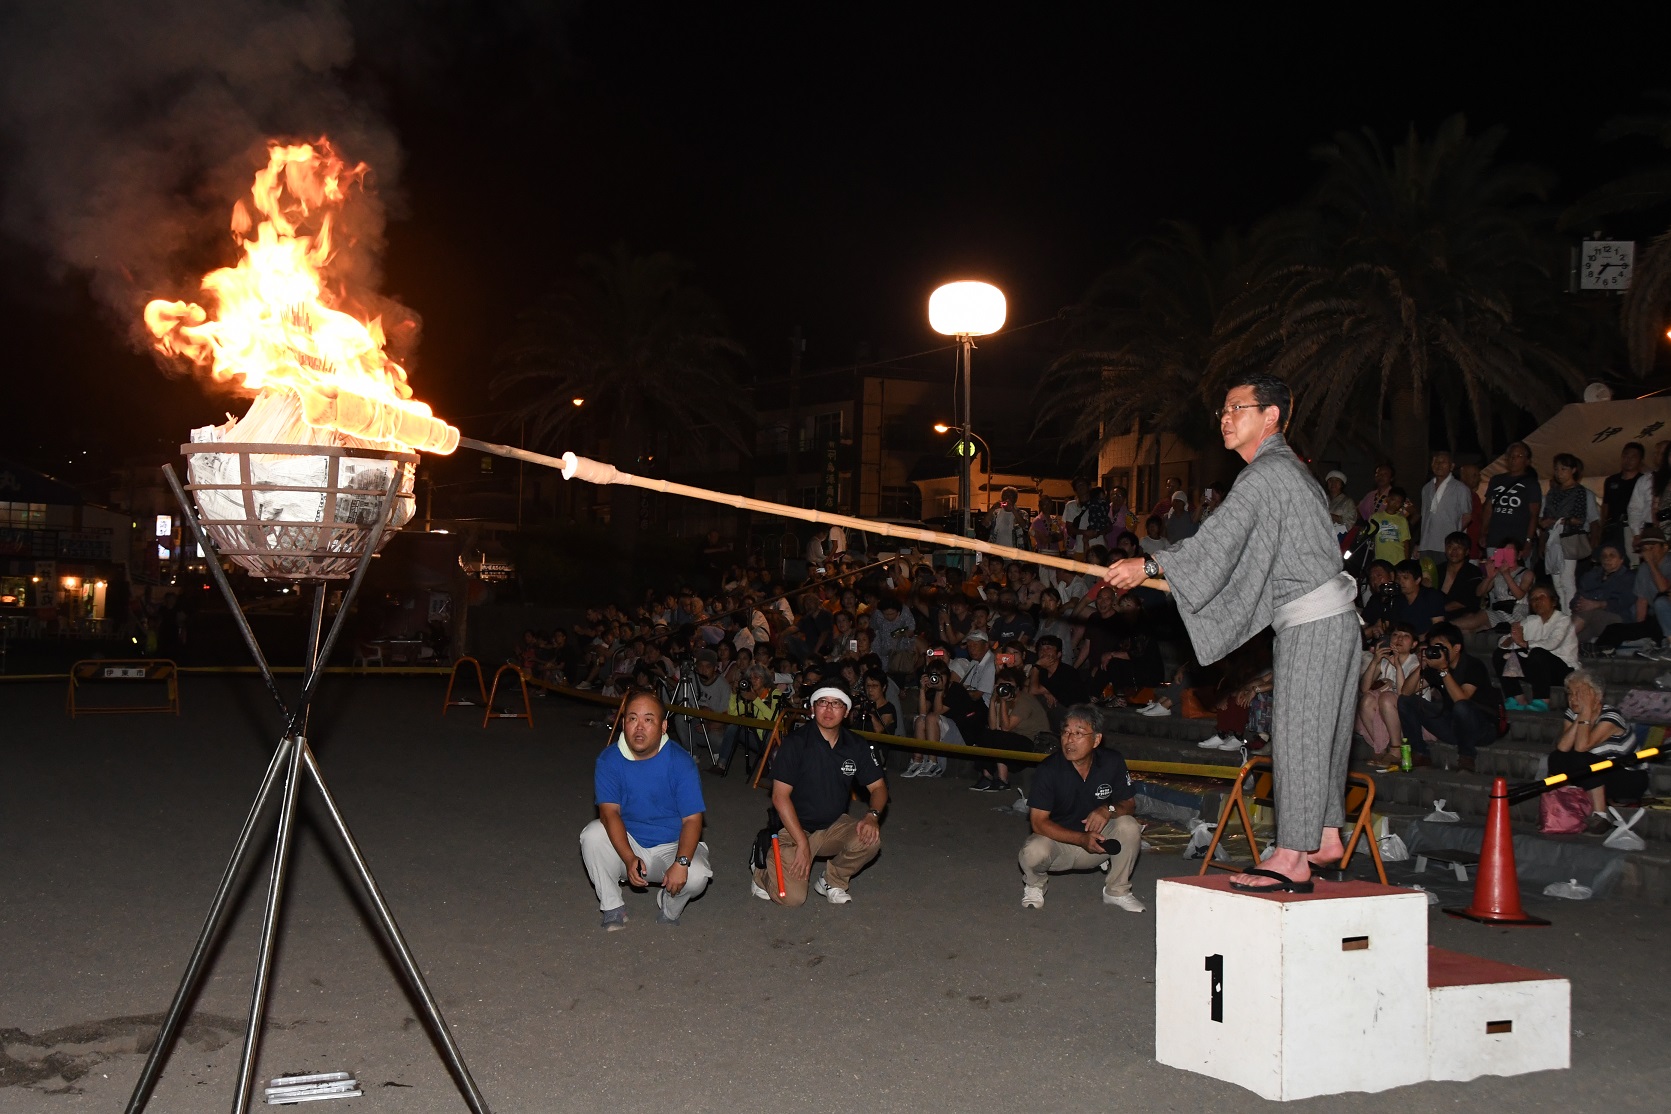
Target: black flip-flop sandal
1283, 883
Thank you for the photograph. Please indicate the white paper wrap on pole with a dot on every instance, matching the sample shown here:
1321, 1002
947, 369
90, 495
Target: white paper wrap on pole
576, 467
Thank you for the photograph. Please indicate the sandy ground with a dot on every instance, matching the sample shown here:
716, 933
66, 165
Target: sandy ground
933, 990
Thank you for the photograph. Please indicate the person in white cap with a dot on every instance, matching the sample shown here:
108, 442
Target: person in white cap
1342, 511
815, 775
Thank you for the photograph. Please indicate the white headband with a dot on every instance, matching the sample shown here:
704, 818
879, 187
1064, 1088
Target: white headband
832, 693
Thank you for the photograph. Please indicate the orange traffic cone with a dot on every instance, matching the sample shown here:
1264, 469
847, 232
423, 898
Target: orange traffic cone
1496, 885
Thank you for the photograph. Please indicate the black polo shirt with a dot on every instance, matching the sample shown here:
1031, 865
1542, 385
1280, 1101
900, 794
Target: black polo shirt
822, 778
1068, 798
1066, 685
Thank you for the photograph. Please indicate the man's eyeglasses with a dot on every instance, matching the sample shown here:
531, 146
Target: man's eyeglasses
1080, 734
1218, 415
828, 702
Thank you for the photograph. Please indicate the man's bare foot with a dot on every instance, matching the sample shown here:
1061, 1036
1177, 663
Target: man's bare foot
1290, 864
1330, 852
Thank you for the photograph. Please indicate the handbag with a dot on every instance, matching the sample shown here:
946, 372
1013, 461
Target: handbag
1576, 545
1563, 811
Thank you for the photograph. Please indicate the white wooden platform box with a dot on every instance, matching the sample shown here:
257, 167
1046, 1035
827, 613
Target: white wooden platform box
1292, 995
1490, 1018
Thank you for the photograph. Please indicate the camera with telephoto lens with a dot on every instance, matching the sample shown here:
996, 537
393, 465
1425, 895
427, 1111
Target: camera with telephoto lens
934, 679
1005, 690
1433, 653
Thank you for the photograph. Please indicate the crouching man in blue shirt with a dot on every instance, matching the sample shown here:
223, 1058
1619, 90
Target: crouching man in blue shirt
649, 823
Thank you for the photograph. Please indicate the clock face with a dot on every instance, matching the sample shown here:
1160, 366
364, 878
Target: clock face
1606, 264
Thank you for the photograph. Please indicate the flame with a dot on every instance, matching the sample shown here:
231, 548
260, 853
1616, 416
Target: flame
274, 325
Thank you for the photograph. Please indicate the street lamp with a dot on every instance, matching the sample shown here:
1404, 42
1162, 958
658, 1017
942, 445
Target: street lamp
966, 310
966, 449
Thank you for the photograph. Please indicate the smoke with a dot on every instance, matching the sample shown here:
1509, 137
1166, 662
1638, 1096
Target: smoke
131, 126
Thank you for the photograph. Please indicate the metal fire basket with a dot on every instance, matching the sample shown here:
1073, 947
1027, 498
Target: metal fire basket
310, 513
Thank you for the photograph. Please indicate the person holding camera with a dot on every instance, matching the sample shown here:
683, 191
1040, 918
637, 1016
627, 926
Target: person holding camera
1378, 599
1083, 814
1416, 604
949, 715
1456, 700
817, 771
1392, 671
650, 813
751, 700
1504, 587
1013, 721
1057, 685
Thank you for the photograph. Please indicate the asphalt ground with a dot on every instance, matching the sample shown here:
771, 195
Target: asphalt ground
932, 990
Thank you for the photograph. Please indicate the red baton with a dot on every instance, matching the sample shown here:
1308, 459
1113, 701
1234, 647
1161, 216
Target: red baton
777, 856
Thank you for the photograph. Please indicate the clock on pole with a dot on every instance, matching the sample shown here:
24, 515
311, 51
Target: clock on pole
1606, 264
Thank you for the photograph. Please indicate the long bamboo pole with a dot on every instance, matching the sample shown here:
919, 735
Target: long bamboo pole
593, 471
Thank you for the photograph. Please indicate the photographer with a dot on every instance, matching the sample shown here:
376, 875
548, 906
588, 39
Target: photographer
1057, 685
949, 715
752, 700
1379, 597
1392, 671
1416, 603
1504, 588
1015, 719
872, 710
1456, 702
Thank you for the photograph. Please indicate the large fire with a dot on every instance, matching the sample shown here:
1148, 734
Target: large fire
273, 328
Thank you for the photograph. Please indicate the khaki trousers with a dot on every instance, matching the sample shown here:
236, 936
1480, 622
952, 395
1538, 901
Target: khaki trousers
839, 843
1042, 856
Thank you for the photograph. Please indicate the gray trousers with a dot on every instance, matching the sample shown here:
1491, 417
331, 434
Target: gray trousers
608, 872
1040, 855
1314, 698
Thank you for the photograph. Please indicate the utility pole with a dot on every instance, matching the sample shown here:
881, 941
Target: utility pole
797, 345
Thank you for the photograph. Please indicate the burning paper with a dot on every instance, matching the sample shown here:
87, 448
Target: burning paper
275, 327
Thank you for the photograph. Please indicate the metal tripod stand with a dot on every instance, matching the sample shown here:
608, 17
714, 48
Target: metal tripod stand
687, 694
292, 761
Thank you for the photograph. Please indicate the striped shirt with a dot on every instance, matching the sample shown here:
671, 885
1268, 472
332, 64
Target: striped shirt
1621, 742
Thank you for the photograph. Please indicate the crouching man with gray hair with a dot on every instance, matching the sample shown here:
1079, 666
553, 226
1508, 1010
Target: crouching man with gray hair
1082, 810
650, 811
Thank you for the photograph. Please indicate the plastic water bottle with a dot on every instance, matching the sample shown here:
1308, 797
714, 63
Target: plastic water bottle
1404, 755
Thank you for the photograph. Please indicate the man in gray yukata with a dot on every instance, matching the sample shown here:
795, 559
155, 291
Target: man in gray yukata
1269, 556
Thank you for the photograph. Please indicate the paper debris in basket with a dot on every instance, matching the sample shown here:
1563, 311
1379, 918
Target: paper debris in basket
287, 1089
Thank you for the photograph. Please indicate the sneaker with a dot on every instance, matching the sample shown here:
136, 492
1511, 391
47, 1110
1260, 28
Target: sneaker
1128, 902
661, 911
1513, 704
758, 890
932, 769
1211, 744
835, 895
915, 769
1032, 897
1154, 708
1001, 787
983, 785
1539, 705
614, 920
1231, 742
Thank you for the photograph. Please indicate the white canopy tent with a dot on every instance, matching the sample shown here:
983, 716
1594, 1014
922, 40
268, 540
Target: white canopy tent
1594, 432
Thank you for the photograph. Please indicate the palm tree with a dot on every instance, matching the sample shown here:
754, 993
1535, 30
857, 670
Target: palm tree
1139, 345
645, 351
1413, 275
1643, 316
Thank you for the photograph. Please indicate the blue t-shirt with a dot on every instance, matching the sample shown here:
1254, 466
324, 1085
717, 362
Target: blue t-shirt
654, 794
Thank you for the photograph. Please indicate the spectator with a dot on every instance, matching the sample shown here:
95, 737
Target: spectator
1180, 522
1627, 502
981, 674
1393, 670
894, 637
1512, 499
815, 775
1445, 507
1459, 578
1541, 649
1052, 621
1003, 518
1606, 594
1651, 610
1211, 497
1376, 498
880, 714
956, 619
1455, 701
1011, 623
1503, 585
1468, 471
1596, 731
1378, 598
1076, 518
1391, 528
949, 715
1082, 815
1416, 604
649, 821
1569, 517
1014, 721
1154, 536
1342, 511
1046, 528
751, 700
1057, 685
1029, 590
1171, 489
815, 549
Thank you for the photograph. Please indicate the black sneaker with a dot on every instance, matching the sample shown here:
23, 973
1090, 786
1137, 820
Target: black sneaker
1000, 787
981, 786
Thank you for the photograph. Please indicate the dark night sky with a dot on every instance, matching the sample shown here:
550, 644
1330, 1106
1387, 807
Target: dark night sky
829, 170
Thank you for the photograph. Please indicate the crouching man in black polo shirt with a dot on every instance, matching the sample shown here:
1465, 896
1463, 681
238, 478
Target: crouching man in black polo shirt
813, 778
1082, 807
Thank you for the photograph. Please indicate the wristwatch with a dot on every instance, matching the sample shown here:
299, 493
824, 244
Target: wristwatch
873, 812
1151, 567
683, 860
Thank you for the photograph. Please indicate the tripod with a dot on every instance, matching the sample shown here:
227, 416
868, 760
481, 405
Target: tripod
292, 760
686, 694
